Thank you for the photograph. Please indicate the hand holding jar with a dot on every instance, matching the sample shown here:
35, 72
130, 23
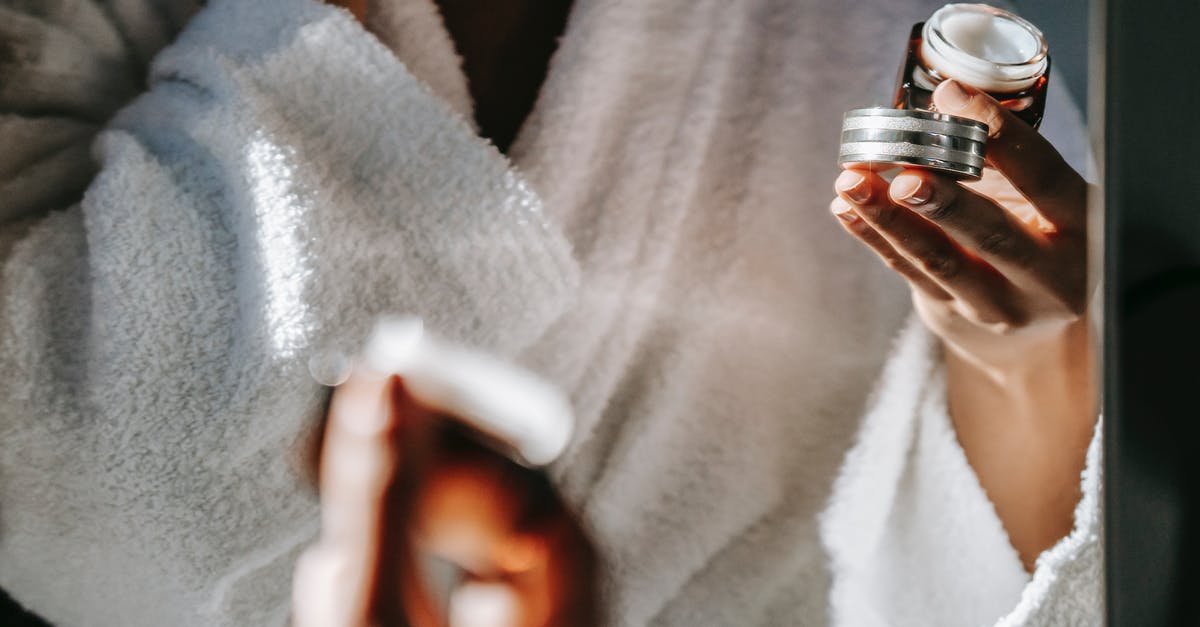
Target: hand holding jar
412, 474
991, 262
997, 266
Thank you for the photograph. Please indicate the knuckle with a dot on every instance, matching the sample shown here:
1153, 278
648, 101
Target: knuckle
1006, 245
1004, 327
894, 264
881, 215
941, 211
860, 229
942, 264
996, 243
1005, 321
992, 114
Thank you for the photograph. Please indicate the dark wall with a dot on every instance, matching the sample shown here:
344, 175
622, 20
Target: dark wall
1152, 313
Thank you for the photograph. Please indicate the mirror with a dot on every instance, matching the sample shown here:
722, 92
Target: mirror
1151, 260
798, 393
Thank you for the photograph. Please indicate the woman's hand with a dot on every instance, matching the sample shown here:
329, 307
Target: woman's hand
997, 265
398, 480
998, 270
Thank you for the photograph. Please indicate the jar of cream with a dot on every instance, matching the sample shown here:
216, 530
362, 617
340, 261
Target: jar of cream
988, 48
982, 46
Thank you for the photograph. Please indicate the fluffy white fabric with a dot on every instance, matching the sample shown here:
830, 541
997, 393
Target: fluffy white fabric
248, 215
912, 536
287, 177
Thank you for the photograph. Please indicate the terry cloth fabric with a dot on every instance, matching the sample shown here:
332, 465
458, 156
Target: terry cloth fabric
913, 538
657, 244
249, 215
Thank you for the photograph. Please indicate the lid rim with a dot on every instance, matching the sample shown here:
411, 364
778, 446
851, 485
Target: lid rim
948, 59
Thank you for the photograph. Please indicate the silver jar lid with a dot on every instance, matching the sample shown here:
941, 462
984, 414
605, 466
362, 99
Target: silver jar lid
914, 137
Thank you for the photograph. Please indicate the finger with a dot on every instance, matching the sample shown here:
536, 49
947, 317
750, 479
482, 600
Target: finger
571, 571
357, 462
366, 467
967, 278
466, 513
1019, 152
974, 221
355, 469
402, 595
892, 259
481, 511
502, 522
556, 584
318, 575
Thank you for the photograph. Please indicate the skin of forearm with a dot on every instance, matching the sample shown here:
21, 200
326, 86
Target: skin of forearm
1025, 426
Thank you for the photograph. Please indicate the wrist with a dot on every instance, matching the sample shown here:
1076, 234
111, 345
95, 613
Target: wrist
1029, 354
1024, 426
1032, 375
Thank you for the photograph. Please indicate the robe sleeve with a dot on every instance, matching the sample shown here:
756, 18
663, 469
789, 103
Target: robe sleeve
282, 182
66, 66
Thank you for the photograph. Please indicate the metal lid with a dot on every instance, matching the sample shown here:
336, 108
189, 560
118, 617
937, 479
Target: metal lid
914, 137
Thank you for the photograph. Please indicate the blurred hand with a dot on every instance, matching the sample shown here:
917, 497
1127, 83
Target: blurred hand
996, 266
356, 7
398, 480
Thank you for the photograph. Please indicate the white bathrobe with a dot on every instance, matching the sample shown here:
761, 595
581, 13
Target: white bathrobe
657, 242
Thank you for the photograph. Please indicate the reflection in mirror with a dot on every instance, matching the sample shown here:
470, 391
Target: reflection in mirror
673, 364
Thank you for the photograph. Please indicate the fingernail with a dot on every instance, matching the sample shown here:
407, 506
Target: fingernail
843, 211
853, 185
952, 97
911, 190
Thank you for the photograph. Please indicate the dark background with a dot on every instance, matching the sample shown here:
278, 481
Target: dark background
1152, 312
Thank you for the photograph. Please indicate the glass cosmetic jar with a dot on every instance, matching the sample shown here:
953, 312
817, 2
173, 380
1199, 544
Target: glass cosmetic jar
988, 48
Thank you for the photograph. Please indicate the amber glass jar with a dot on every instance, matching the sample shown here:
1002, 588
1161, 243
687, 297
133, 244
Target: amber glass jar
991, 49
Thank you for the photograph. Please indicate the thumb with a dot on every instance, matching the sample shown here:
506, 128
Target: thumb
965, 101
